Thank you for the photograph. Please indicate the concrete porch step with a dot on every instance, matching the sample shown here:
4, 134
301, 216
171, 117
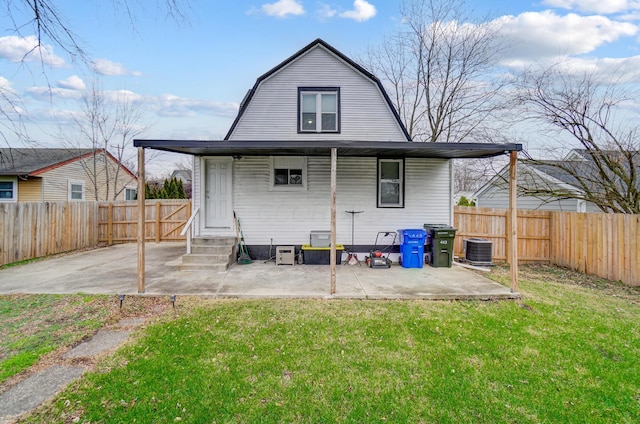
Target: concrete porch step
213, 254
205, 258
214, 241
210, 249
204, 267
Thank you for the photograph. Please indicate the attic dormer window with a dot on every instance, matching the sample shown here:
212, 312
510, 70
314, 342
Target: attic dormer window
319, 109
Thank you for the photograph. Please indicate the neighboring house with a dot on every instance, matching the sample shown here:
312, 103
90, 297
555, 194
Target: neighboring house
62, 174
183, 175
535, 180
273, 168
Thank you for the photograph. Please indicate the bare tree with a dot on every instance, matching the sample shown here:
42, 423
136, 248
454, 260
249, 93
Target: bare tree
440, 69
45, 20
598, 115
108, 126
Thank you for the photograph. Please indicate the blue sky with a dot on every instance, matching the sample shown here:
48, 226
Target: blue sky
192, 75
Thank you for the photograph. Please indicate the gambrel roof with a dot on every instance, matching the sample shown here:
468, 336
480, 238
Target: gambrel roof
318, 43
376, 143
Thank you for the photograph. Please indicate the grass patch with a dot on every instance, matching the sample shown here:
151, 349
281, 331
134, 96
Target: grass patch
567, 353
31, 326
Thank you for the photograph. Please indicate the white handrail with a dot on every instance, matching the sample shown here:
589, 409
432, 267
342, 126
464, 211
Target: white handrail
187, 229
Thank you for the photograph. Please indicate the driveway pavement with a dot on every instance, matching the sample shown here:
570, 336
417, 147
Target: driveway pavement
113, 270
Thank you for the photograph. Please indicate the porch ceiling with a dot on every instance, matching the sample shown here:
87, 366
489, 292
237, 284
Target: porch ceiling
323, 148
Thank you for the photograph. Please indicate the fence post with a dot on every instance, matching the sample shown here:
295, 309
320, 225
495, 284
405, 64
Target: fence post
158, 208
513, 219
110, 224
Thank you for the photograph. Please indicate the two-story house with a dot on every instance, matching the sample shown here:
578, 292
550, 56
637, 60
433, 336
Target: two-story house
273, 168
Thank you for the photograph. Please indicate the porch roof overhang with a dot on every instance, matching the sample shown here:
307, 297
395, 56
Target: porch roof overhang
323, 148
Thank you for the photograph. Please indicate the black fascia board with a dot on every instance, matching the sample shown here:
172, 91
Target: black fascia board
382, 149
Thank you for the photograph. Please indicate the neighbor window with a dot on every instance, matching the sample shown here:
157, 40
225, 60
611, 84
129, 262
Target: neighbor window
390, 183
8, 192
76, 190
130, 193
288, 172
319, 109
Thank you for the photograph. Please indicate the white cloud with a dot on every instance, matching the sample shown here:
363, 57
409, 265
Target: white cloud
539, 35
123, 96
54, 92
362, 11
5, 85
282, 8
26, 49
325, 11
605, 7
172, 105
74, 82
611, 70
109, 68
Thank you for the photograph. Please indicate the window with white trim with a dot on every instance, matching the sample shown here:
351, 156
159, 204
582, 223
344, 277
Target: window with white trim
76, 190
130, 193
319, 110
390, 183
8, 190
288, 172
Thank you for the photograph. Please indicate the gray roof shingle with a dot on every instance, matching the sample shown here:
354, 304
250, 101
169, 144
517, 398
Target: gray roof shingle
25, 161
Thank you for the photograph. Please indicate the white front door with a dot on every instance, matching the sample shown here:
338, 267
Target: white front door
218, 199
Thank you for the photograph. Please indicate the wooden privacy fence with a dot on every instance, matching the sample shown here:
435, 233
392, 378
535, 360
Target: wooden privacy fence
164, 220
606, 245
31, 230
534, 232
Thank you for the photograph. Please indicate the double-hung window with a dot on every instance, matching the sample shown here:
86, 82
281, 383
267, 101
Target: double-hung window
8, 190
319, 110
130, 193
76, 190
390, 183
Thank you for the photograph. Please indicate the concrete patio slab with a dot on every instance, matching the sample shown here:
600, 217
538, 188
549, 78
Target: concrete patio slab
113, 270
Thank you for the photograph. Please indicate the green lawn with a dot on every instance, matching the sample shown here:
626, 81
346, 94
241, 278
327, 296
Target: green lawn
32, 326
566, 353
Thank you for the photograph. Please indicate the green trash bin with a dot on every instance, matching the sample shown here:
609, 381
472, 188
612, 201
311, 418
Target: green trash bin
441, 249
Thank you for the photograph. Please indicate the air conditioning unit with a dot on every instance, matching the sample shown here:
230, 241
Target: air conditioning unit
478, 251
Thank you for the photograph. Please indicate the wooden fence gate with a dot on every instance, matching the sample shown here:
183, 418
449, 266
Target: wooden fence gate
164, 220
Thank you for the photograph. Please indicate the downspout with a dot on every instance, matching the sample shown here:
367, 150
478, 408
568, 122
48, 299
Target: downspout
451, 192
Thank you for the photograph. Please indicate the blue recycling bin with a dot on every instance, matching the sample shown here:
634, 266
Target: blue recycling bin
412, 247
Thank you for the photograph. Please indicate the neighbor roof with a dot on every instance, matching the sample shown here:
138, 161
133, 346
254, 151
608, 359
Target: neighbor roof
34, 161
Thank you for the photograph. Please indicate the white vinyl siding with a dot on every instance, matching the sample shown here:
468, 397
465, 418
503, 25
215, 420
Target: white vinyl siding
288, 217
272, 113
